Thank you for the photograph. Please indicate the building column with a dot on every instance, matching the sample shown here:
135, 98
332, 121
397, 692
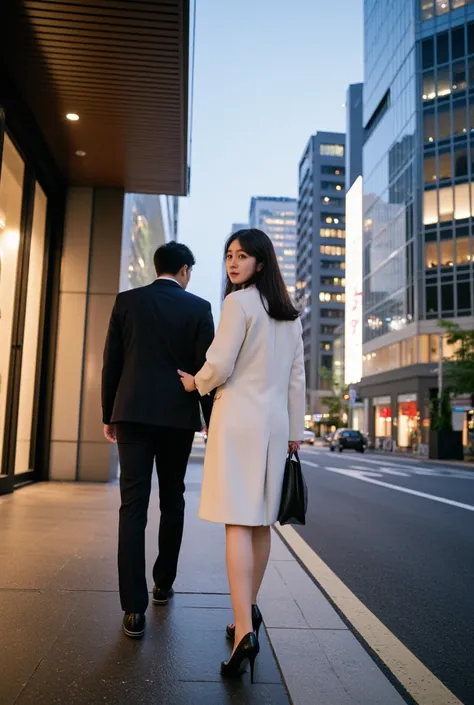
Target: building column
90, 277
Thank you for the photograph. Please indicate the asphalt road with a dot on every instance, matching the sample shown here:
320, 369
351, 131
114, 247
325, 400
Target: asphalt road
408, 557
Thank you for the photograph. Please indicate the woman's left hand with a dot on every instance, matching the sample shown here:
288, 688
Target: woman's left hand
187, 381
294, 446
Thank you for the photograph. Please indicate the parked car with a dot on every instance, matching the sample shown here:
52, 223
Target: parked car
348, 439
309, 437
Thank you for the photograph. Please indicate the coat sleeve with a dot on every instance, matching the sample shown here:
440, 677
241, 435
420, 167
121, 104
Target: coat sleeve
112, 365
297, 394
222, 355
205, 336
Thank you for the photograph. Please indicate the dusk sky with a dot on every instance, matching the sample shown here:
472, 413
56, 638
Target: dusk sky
268, 75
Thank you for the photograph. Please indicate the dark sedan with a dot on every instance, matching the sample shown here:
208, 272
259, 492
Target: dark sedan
347, 439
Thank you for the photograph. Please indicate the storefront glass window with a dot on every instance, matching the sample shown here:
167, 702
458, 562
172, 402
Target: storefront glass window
31, 337
383, 421
11, 191
408, 421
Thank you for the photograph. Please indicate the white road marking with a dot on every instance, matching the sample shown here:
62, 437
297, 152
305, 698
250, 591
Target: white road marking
388, 471
419, 681
358, 475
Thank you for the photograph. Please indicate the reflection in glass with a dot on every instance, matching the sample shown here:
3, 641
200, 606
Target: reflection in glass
11, 191
459, 118
431, 255
446, 252
445, 166
459, 76
442, 7
30, 342
463, 251
430, 169
444, 122
427, 9
446, 204
444, 81
428, 85
428, 126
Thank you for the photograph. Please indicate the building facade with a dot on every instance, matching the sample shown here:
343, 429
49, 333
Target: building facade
321, 259
70, 149
277, 218
418, 206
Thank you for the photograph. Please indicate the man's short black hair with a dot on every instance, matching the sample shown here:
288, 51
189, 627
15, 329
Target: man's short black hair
170, 258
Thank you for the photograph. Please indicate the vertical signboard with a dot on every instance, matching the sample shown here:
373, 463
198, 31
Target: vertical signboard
353, 312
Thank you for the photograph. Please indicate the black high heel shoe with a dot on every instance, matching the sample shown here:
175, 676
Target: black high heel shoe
257, 620
248, 648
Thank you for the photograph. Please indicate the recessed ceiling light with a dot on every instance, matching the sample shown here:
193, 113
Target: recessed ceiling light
81, 153
73, 117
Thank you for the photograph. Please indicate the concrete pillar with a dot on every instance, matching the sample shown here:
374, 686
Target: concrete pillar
90, 277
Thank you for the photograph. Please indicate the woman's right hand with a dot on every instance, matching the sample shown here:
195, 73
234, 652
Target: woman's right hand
294, 446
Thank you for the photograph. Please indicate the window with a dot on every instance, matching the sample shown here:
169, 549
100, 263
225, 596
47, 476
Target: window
332, 218
330, 186
427, 9
327, 330
325, 346
332, 313
333, 170
442, 43
326, 362
331, 201
332, 281
332, 232
11, 192
429, 126
431, 255
331, 150
452, 204
332, 250
464, 296
463, 251
327, 297
428, 53
330, 264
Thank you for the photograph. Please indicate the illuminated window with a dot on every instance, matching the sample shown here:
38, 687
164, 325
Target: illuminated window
332, 250
332, 232
326, 297
331, 150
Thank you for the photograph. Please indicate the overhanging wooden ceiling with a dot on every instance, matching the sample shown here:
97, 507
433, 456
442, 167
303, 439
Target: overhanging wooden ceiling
122, 66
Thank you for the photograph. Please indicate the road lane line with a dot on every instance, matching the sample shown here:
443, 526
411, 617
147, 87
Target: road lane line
356, 475
419, 681
387, 471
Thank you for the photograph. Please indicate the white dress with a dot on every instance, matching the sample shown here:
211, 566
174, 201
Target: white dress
256, 364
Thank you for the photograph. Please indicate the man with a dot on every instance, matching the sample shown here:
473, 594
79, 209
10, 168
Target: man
154, 331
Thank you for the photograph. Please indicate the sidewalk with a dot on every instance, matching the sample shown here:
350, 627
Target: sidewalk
60, 617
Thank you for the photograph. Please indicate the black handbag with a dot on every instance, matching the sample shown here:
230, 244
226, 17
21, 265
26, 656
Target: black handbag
294, 495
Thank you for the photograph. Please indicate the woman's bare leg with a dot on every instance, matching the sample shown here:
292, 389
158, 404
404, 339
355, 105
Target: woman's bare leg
239, 558
261, 543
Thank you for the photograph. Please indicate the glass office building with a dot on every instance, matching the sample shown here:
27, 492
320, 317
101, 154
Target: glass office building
276, 216
418, 204
320, 285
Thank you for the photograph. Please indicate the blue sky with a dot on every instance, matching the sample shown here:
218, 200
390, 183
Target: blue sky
268, 74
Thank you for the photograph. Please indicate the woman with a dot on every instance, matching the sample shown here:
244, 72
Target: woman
256, 365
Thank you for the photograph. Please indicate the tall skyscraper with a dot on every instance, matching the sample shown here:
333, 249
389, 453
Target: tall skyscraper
418, 204
277, 218
321, 258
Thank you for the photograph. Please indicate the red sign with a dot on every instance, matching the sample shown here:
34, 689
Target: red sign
407, 408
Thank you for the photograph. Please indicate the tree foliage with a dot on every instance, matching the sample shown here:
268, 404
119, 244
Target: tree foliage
459, 368
337, 404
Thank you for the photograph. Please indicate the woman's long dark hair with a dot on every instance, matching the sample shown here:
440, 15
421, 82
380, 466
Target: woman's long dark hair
268, 279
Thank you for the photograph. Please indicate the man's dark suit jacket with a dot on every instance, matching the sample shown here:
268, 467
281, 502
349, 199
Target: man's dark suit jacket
154, 331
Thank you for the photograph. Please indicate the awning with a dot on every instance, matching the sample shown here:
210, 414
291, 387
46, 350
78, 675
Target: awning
122, 66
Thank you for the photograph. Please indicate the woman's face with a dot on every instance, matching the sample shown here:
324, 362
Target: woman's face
241, 267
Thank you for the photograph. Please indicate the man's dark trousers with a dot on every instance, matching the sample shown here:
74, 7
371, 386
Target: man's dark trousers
139, 445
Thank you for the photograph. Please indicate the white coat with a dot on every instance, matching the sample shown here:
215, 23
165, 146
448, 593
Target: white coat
256, 364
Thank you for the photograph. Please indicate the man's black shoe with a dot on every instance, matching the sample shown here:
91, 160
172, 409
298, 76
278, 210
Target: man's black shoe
160, 596
134, 625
